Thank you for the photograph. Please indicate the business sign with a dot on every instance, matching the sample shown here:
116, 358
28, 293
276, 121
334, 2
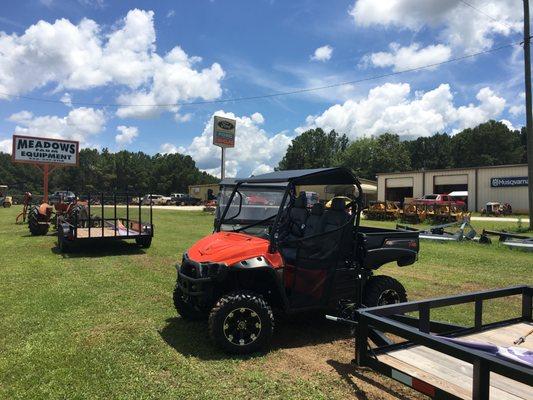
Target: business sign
508, 182
36, 150
224, 132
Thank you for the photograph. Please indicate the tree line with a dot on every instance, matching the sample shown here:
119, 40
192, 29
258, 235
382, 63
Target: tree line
103, 171
490, 143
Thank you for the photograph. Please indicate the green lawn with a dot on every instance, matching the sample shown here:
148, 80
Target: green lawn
99, 323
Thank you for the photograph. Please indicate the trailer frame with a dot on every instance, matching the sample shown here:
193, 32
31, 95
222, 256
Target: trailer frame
69, 229
418, 332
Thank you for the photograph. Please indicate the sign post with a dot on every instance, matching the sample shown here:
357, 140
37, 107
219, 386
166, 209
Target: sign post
46, 154
223, 137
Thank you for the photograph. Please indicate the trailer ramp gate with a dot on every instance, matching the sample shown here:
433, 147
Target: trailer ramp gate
429, 362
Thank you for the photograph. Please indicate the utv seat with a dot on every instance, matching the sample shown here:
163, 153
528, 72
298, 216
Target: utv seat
336, 216
298, 215
313, 225
295, 227
341, 242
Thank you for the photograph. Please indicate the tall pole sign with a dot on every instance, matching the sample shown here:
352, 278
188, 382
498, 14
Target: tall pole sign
529, 116
46, 154
223, 137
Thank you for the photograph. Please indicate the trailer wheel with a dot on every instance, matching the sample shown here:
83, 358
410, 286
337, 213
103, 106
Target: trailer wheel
241, 323
36, 228
382, 290
185, 309
144, 241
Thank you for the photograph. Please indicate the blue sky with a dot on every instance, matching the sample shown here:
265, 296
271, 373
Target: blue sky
80, 58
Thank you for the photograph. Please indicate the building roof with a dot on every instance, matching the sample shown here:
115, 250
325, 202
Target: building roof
450, 169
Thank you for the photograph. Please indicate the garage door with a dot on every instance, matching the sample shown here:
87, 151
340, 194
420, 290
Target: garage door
399, 182
451, 180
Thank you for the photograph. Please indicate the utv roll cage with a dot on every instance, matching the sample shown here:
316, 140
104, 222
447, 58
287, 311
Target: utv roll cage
290, 179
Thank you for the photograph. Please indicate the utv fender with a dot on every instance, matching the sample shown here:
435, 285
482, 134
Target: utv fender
260, 266
375, 258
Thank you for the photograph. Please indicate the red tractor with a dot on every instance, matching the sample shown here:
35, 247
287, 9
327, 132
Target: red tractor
42, 216
287, 258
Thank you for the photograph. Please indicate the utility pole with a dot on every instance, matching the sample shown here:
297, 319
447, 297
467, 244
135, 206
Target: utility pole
529, 116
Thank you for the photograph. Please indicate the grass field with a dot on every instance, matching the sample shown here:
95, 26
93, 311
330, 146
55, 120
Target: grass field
99, 323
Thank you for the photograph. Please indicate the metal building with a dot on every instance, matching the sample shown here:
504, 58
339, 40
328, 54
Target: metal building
501, 183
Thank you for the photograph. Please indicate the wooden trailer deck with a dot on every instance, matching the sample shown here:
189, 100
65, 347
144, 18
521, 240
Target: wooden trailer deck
455, 376
83, 233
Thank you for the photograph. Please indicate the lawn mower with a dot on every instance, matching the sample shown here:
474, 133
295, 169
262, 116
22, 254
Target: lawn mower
286, 258
496, 209
5, 200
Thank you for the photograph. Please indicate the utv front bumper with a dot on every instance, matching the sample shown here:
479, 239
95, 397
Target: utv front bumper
197, 281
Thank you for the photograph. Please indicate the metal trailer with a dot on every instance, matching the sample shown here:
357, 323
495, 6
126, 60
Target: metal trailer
465, 231
439, 359
508, 239
86, 226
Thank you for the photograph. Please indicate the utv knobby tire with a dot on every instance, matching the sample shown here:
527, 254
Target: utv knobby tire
6, 204
144, 241
187, 311
381, 290
233, 303
36, 229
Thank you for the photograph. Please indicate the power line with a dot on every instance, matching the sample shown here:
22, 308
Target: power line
484, 13
278, 94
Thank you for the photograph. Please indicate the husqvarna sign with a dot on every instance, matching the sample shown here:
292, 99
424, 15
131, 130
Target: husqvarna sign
37, 150
509, 181
224, 132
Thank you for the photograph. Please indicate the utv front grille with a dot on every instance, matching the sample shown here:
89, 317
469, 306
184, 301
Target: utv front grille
197, 270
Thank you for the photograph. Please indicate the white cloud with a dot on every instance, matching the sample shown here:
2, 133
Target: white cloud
67, 99
517, 110
459, 25
171, 13
322, 53
83, 56
79, 124
402, 58
393, 108
6, 146
127, 134
182, 117
509, 124
255, 150
169, 148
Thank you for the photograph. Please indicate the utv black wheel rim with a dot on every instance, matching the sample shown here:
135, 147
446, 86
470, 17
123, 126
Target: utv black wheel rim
242, 326
388, 297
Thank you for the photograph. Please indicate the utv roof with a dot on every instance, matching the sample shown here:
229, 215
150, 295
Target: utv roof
317, 176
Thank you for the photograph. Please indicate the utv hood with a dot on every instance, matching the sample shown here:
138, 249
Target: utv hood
230, 248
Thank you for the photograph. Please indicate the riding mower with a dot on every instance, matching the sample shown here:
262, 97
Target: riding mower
5, 200
283, 259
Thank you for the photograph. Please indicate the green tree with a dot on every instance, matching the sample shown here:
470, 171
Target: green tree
368, 156
433, 152
491, 143
314, 149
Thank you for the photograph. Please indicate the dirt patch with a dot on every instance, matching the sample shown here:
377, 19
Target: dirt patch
321, 347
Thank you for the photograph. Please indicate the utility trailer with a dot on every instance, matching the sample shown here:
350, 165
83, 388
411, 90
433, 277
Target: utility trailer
464, 231
508, 239
446, 361
88, 222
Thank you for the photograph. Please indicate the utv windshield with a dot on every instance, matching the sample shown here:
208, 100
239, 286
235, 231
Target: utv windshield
252, 210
